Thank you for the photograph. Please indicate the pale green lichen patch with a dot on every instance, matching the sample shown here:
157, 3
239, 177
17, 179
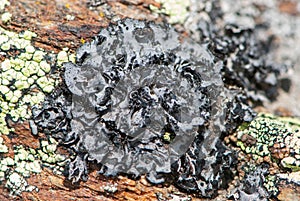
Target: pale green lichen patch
270, 184
177, 10
21, 76
28, 161
65, 56
110, 188
3, 3
6, 16
25, 78
17, 184
274, 137
49, 158
3, 147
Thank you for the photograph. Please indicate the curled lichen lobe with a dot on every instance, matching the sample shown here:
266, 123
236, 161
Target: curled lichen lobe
139, 101
139, 94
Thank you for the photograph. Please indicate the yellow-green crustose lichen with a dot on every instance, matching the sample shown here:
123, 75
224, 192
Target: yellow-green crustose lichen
29, 161
65, 56
3, 3
18, 184
25, 77
20, 75
5, 16
3, 147
272, 136
177, 10
255, 172
270, 184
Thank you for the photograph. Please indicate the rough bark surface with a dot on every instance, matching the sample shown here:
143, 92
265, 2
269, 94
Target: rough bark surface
48, 19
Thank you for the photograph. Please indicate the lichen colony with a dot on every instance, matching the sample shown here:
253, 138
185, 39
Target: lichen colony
142, 101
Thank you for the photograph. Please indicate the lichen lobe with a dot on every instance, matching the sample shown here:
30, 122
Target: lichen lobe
141, 102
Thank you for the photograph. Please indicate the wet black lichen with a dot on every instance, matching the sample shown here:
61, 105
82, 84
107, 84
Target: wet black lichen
246, 62
139, 101
246, 50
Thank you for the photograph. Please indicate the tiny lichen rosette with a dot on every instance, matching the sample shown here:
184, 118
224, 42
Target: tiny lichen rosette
140, 101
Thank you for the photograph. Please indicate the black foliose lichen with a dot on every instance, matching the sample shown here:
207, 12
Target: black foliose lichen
140, 101
246, 56
246, 62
